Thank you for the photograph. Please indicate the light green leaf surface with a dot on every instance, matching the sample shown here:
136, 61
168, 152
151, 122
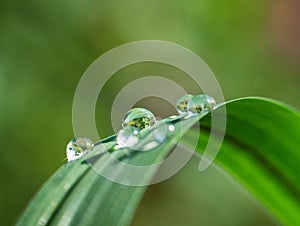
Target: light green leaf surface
260, 150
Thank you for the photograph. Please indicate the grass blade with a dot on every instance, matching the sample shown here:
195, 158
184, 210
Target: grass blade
260, 150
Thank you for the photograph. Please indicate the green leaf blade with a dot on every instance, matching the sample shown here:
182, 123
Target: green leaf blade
260, 150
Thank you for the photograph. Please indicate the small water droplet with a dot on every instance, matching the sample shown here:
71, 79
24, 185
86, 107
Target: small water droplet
200, 103
182, 103
78, 147
138, 118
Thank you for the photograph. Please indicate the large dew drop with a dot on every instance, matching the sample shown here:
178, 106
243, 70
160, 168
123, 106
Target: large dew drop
78, 147
134, 123
200, 103
138, 118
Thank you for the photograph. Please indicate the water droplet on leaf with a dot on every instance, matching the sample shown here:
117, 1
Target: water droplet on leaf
78, 147
182, 103
138, 118
200, 103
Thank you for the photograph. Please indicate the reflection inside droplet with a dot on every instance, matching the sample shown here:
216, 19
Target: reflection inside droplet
182, 103
138, 118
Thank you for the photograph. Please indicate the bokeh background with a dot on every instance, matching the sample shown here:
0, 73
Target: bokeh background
253, 47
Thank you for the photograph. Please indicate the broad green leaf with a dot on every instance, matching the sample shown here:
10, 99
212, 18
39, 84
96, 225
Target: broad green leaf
260, 150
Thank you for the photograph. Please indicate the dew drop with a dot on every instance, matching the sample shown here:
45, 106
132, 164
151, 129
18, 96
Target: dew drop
138, 118
78, 147
200, 103
182, 103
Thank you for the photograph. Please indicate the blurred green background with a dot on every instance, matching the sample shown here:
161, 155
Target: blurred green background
253, 47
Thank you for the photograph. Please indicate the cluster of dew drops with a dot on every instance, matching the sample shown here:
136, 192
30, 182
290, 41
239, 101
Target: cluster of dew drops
138, 119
